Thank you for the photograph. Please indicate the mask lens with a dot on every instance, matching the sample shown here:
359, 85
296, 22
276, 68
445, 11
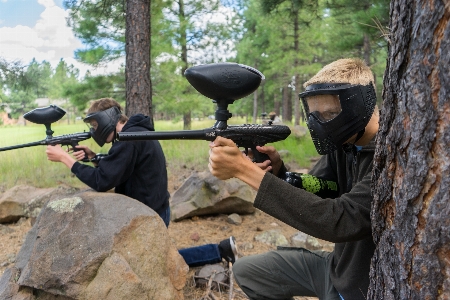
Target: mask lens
92, 124
325, 107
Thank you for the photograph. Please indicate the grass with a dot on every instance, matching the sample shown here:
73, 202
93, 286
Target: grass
30, 165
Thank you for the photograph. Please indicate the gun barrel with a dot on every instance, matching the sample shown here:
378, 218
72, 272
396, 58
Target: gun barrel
203, 134
23, 145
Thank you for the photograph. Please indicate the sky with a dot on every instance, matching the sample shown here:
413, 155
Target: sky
37, 29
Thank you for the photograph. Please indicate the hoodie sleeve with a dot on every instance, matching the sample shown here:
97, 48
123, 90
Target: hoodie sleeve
346, 218
111, 171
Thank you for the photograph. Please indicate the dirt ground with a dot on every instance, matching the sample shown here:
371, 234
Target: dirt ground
186, 233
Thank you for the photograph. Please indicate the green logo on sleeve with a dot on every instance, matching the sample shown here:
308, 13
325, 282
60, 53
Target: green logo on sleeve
313, 184
310, 183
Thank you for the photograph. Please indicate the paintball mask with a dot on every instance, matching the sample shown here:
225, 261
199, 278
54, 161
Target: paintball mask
337, 111
102, 123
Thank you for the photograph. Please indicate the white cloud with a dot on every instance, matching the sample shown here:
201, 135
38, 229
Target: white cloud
50, 39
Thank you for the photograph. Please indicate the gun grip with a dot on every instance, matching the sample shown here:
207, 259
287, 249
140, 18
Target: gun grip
259, 157
74, 148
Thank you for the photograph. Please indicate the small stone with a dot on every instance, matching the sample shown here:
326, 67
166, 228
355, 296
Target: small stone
234, 219
195, 237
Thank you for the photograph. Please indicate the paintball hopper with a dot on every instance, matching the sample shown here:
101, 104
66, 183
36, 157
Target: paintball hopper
224, 83
46, 116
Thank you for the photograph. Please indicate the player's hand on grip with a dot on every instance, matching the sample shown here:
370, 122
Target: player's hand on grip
82, 151
266, 165
275, 162
55, 153
225, 158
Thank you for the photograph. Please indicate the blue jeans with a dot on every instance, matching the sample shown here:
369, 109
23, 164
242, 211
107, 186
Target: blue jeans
196, 256
165, 216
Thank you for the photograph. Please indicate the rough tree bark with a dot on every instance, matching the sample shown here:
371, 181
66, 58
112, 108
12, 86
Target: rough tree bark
411, 179
137, 66
187, 121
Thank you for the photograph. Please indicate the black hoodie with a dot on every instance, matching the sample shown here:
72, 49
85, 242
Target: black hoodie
344, 220
136, 169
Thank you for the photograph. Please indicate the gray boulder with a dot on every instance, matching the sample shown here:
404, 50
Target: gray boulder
96, 246
26, 201
204, 194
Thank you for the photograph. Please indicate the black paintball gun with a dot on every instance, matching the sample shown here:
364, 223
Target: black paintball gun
223, 83
47, 116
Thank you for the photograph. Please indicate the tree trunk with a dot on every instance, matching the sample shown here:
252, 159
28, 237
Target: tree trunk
411, 179
285, 101
289, 104
255, 106
276, 104
297, 76
187, 121
137, 48
262, 98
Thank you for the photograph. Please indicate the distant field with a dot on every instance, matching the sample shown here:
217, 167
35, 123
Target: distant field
30, 165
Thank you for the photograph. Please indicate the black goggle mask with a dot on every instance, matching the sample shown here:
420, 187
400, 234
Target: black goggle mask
356, 104
102, 123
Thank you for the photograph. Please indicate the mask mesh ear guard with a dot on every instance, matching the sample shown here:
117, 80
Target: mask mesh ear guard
370, 98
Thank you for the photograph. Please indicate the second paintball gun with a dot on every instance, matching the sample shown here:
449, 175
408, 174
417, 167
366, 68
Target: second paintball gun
223, 83
46, 116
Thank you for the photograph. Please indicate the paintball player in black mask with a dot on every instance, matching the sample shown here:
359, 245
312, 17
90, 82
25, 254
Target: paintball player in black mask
136, 169
342, 118
127, 164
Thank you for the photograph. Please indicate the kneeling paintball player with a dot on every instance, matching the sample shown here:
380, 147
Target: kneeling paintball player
342, 118
136, 169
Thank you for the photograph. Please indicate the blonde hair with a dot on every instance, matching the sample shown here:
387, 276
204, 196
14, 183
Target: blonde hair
347, 70
105, 103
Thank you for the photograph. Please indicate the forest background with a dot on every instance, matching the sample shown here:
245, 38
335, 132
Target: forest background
288, 41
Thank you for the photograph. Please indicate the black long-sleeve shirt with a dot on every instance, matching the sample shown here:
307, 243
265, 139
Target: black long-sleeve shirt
344, 220
136, 169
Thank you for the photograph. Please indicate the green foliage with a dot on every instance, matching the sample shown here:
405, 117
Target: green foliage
100, 25
63, 78
257, 33
20, 85
357, 29
96, 87
328, 30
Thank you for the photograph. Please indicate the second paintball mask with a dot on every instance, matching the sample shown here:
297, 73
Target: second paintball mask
102, 123
355, 103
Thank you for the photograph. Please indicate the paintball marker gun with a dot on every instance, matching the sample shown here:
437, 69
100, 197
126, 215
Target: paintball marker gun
46, 116
223, 83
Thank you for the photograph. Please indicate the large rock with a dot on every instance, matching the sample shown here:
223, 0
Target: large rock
26, 201
204, 194
96, 246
